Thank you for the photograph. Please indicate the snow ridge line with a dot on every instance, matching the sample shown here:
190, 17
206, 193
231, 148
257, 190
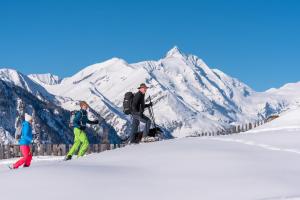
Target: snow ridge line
261, 145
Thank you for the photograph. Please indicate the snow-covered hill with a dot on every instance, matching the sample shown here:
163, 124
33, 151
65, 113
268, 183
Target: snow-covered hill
262, 165
189, 97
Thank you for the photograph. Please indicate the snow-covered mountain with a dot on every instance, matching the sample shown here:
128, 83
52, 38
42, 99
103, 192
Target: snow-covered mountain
18, 79
50, 121
48, 79
19, 94
189, 97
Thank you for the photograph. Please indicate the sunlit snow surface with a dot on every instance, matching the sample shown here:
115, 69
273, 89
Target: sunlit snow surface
257, 165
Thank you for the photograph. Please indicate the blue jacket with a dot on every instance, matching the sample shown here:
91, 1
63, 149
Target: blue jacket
26, 135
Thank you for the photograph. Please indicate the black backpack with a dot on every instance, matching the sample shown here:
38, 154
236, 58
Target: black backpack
127, 103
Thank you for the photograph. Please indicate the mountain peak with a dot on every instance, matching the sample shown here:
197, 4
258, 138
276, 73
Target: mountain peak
175, 52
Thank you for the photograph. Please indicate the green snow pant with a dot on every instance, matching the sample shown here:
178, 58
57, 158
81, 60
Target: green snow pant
80, 141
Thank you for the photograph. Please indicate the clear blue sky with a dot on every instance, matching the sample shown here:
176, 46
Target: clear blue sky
257, 41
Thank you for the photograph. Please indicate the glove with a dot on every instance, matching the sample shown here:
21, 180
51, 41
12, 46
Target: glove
96, 121
82, 128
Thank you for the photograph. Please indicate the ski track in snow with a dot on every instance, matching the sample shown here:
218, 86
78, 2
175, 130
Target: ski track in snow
285, 128
283, 198
261, 145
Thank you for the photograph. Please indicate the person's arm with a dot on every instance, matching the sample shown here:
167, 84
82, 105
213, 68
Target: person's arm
148, 105
92, 122
98, 116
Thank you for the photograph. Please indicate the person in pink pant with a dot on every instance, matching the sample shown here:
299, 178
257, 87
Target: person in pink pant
24, 142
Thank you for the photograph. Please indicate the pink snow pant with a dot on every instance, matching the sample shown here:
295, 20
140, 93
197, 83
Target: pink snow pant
27, 157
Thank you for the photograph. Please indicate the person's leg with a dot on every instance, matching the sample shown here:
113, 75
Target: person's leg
85, 143
134, 128
25, 152
147, 123
76, 144
29, 158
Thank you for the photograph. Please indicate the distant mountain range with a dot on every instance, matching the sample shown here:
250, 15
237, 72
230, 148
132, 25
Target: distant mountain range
189, 97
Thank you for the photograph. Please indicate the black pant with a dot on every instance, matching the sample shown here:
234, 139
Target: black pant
136, 119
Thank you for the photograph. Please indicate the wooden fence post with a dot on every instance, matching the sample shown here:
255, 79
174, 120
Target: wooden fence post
250, 126
233, 130
54, 150
62, 150
17, 152
238, 129
112, 146
7, 152
90, 150
1, 151
41, 149
49, 149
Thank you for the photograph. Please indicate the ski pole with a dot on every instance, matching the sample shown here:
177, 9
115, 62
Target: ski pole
152, 114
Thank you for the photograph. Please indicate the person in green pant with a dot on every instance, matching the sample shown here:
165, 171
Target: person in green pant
81, 142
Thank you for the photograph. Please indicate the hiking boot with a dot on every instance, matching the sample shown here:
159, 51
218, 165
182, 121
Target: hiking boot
11, 167
68, 157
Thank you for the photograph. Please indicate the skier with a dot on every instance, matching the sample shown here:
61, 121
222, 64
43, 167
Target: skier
137, 113
79, 125
24, 142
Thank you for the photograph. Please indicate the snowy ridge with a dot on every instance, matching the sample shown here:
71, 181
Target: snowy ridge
16, 78
48, 79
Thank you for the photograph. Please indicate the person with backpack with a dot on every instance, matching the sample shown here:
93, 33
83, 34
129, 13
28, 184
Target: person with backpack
137, 112
24, 142
79, 122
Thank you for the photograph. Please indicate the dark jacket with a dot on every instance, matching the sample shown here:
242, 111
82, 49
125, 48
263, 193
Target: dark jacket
138, 103
81, 119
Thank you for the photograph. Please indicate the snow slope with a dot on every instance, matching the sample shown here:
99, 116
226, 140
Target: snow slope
254, 165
